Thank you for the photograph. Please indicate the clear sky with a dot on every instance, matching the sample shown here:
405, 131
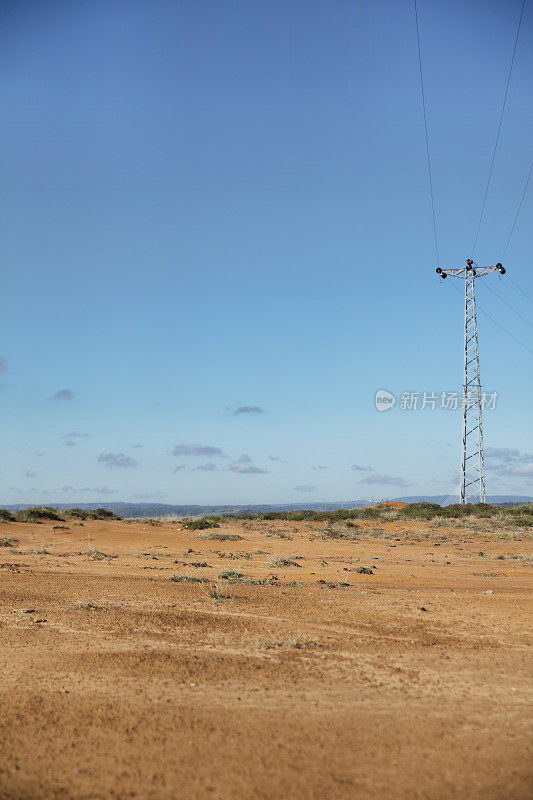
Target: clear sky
217, 245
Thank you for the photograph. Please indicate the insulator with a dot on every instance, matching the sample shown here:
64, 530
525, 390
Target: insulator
439, 271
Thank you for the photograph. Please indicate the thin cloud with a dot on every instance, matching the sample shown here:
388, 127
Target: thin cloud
249, 410
522, 470
196, 450
359, 468
305, 487
30, 474
385, 480
70, 443
179, 468
137, 445
508, 455
3, 365
64, 394
509, 461
207, 467
319, 466
116, 460
98, 490
75, 435
244, 466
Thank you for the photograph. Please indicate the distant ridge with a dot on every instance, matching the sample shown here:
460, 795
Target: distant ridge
168, 510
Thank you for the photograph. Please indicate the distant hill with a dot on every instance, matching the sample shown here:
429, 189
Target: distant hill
168, 510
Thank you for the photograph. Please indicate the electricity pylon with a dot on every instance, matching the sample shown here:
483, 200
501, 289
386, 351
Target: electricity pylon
472, 459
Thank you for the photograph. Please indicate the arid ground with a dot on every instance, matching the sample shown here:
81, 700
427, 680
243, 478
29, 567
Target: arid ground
296, 676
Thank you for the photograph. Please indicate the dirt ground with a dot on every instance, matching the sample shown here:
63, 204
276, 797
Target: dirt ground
298, 677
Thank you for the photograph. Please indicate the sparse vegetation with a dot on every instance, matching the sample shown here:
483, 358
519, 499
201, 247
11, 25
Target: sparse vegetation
97, 555
333, 584
281, 534
216, 595
8, 541
231, 575
284, 562
520, 514
199, 524
78, 513
189, 579
97, 513
38, 513
221, 537
335, 533
6, 515
103, 513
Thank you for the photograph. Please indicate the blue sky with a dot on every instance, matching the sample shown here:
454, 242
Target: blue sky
214, 206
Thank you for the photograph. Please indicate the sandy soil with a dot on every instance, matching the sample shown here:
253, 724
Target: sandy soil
410, 682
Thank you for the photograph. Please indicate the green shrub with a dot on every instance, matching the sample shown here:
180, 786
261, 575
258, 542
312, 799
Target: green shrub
231, 575
188, 579
103, 513
421, 511
78, 513
200, 524
7, 541
37, 513
6, 515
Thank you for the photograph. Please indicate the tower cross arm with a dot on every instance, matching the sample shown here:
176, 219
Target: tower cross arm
471, 268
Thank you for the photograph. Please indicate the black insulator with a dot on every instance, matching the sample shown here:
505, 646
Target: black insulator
438, 270
443, 275
501, 269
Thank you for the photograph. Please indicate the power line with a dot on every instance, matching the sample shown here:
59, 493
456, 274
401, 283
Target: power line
497, 323
427, 137
520, 290
529, 350
499, 129
518, 212
506, 303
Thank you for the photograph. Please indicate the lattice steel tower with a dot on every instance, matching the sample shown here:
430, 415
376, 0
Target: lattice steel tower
472, 460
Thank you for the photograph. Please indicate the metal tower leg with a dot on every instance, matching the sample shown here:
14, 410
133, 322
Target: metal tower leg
472, 461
